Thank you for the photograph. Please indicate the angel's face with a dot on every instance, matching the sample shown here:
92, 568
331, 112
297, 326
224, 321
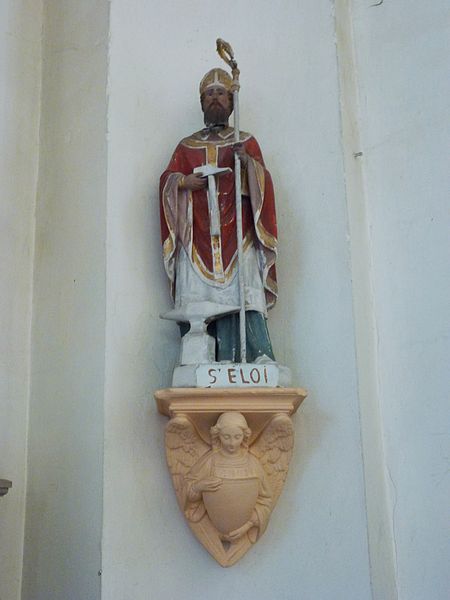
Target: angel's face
231, 438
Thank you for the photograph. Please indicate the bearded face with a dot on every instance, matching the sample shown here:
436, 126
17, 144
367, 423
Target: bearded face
217, 106
216, 115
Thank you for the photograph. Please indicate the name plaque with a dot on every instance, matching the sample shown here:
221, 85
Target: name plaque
237, 375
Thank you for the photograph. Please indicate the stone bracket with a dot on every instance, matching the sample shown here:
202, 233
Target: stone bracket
228, 451
204, 405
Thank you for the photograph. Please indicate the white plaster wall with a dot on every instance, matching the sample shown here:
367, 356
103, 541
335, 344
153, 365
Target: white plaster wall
20, 54
379, 525
316, 543
402, 51
64, 503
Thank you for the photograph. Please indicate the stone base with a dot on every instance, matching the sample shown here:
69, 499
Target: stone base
235, 375
204, 406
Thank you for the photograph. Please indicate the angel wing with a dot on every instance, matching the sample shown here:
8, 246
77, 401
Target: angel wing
273, 448
183, 448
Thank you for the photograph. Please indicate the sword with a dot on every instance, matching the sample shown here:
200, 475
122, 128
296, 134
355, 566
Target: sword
210, 171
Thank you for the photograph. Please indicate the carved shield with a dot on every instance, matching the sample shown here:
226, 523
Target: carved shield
231, 506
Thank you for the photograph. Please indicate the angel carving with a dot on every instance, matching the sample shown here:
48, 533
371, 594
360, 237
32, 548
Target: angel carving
227, 490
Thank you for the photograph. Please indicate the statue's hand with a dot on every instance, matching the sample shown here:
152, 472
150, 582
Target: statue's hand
193, 182
238, 533
240, 151
209, 484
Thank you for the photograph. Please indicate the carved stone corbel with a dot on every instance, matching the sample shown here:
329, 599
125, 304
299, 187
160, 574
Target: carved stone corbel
228, 451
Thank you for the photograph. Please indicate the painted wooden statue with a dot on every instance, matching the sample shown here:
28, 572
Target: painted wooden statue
199, 225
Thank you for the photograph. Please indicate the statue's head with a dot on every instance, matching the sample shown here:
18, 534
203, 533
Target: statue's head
216, 97
231, 432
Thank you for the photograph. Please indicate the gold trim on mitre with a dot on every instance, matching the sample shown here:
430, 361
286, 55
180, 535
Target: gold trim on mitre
216, 78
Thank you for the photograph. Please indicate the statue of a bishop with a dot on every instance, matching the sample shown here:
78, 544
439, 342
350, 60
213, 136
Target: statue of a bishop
200, 240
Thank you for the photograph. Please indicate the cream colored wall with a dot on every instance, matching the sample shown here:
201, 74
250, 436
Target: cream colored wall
402, 52
20, 54
376, 478
64, 500
362, 318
